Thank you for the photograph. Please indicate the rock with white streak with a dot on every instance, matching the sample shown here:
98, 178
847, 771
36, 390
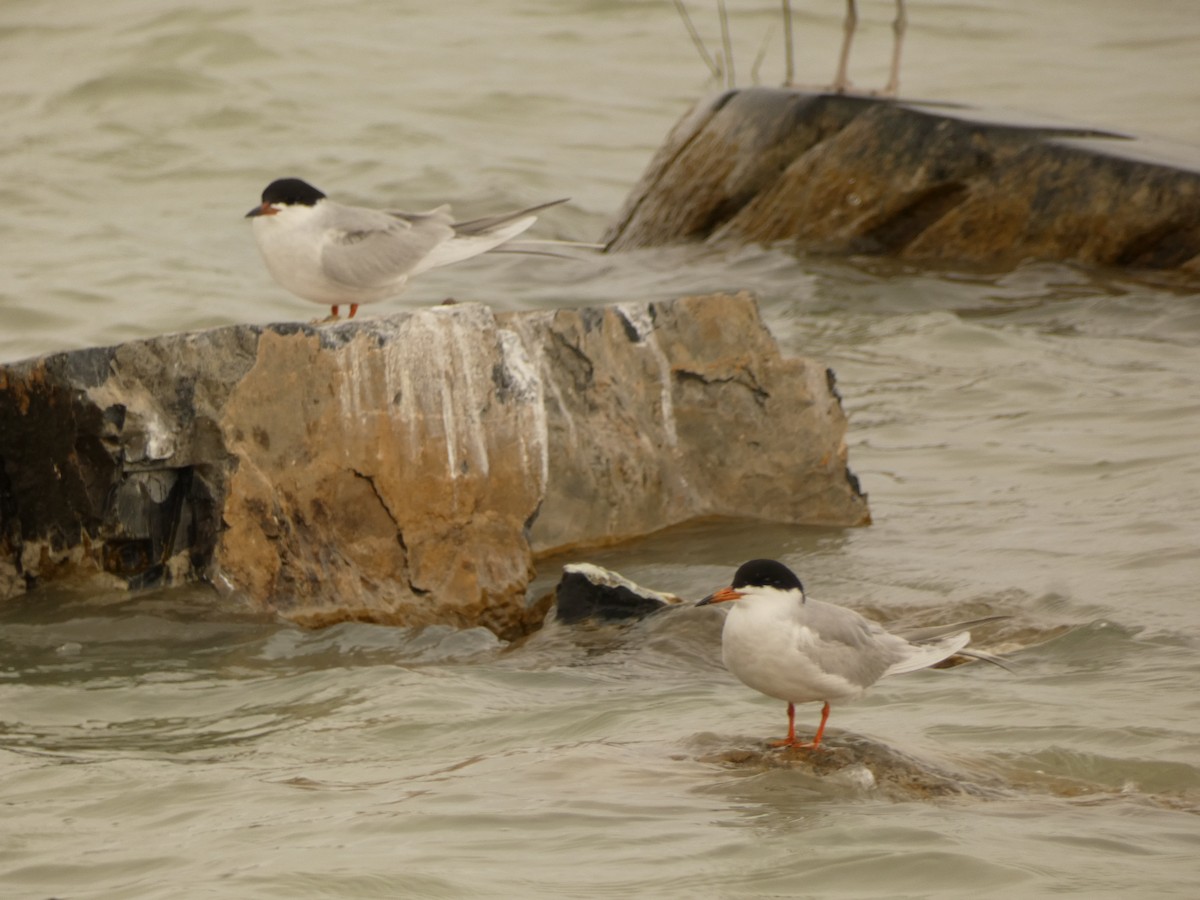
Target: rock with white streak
408, 469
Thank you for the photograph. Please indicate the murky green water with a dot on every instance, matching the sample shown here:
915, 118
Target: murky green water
1028, 440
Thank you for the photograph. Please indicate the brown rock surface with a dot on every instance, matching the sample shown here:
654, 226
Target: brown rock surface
407, 469
860, 175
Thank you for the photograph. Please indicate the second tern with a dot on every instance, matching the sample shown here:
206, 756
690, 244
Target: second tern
794, 648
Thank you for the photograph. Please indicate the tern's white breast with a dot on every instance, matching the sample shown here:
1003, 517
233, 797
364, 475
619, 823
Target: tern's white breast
767, 644
292, 243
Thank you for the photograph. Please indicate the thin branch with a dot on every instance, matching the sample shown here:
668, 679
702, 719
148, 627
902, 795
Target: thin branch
726, 44
697, 41
762, 54
789, 73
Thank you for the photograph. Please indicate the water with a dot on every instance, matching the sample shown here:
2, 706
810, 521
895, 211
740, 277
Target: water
1028, 440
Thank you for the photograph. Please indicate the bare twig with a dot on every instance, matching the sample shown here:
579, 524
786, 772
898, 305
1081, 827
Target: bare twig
697, 41
789, 72
762, 54
726, 44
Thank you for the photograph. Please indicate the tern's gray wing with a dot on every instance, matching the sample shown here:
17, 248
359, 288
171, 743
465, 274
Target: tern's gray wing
935, 634
848, 645
365, 248
491, 223
438, 213
929, 633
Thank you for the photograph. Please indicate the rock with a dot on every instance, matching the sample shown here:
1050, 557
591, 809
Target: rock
850, 763
586, 591
860, 175
661, 413
407, 469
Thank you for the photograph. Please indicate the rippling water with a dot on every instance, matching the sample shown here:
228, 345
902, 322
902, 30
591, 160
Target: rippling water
1028, 440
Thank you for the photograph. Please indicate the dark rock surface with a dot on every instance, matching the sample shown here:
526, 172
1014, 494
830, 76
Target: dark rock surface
848, 763
407, 469
587, 592
847, 174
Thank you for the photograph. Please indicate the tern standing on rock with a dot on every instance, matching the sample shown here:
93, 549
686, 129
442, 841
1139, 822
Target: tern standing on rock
793, 648
334, 254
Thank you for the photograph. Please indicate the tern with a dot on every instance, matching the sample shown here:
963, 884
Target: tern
794, 648
335, 254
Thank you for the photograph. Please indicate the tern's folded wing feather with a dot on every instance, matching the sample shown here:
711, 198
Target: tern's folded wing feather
922, 656
928, 633
845, 644
367, 249
438, 213
488, 224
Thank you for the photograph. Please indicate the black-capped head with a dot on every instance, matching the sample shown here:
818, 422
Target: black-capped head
766, 573
286, 192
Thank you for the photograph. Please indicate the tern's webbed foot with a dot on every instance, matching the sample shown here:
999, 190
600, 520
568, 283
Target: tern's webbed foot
795, 744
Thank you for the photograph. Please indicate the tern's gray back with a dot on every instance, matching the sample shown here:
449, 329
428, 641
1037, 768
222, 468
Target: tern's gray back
368, 248
850, 646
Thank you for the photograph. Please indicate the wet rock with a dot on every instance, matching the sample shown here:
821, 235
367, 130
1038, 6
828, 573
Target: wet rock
859, 175
586, 591
407, 469
853, 763
661, 413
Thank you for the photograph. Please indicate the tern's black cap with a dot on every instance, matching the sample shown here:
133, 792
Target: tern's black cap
766, 573
292, 192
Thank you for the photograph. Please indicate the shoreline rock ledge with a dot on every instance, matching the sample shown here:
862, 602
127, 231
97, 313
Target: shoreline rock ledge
847, 174
408, 469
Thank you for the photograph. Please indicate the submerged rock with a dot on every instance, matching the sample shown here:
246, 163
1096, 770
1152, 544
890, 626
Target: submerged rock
853, 763
406, 469
850, 174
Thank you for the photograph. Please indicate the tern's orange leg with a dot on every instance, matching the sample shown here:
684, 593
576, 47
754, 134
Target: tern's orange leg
333, 312
790, 740
816, 741
353, 310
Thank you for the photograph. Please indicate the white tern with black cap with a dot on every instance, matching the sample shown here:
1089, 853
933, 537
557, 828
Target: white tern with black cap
794, 648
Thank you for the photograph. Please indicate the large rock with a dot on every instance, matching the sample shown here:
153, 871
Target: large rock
860, 175
407, 469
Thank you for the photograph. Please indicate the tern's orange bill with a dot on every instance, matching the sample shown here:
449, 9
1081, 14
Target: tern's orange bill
721, 596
